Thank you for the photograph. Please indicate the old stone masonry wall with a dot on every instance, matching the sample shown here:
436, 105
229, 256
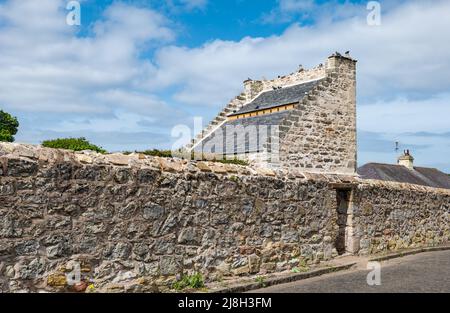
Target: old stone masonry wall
391, 216
133, 223
132, 220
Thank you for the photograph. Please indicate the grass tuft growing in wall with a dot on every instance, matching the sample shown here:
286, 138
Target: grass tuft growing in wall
194, 281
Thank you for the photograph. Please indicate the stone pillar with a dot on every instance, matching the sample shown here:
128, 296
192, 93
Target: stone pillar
351, 236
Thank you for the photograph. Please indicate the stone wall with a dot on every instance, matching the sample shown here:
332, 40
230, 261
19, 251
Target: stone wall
320, 134
133, 223
393, 216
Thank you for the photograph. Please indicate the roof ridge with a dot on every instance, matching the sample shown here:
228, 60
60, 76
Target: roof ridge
390, 164
279, 97
424, 176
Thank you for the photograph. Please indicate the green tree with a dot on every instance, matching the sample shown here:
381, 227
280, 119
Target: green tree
8, 126
75, 144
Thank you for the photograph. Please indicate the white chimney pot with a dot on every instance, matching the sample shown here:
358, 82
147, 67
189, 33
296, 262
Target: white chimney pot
406, 160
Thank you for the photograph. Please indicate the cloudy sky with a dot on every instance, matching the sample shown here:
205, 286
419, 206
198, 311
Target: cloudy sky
134, 69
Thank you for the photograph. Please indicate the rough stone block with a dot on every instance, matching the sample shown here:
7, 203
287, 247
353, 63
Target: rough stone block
170, 265
28, 247
170, 166
190, 236
243, 270
153, 211
118, 159
57, 280
147, 176
203, 166
83, 158
253, 264
21, 167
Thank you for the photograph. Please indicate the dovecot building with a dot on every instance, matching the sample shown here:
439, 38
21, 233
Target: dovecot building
304, 120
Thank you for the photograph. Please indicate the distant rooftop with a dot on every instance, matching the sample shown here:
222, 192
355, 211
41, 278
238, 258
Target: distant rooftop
430, 177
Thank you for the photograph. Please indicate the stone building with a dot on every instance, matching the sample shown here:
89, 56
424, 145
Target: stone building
405, 172
305, 120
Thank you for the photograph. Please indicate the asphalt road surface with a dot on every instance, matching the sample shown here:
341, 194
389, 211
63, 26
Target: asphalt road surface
425, 272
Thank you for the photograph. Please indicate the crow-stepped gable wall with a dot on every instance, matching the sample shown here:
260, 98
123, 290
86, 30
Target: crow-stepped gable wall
320, 134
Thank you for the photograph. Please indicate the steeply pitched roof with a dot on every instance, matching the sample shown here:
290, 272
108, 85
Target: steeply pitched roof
430, 177
252, 136
252, 139
278, 97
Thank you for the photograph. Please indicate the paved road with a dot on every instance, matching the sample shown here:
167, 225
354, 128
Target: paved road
425, 272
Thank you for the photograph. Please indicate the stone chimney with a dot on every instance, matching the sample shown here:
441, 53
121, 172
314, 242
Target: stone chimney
406, 160
341, 64
252, 88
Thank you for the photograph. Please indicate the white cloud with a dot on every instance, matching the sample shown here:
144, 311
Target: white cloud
406, 54
91, 85
133, 24
295, 5
194, 3
186, 5
47, 68
308, 11
407, 116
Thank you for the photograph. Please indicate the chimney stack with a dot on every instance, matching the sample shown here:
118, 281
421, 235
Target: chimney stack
341, 63
406, 160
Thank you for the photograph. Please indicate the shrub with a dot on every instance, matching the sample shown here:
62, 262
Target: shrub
8, 126
158, 153
190, 281
75, 144
219, 158
233, 161
205, 157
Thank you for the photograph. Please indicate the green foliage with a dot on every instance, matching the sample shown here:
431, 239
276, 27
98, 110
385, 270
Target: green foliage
234, 178
302, 267
158, 153
190, 281
75, 144
220, 159
260, 280
8, 126
234, 161
205, 157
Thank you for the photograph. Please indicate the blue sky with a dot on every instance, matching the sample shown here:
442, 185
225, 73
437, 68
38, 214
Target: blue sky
134, 69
